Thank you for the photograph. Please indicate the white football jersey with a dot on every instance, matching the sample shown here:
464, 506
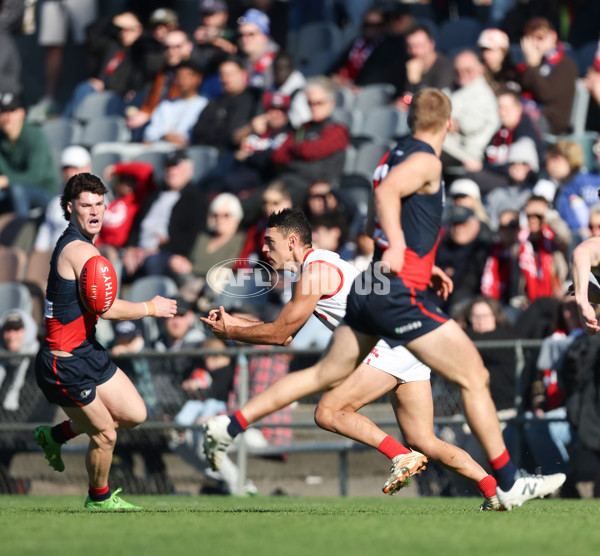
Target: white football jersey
330, 309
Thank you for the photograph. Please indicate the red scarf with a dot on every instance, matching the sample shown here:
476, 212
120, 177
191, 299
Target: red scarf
496, 273
537, 265
114, 63
361, 50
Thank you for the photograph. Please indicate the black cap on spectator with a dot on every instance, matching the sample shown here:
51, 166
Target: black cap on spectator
127, 330
10, 101
175, 157
13, 321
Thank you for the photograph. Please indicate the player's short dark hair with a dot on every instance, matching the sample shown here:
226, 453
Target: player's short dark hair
291, 221
77, 185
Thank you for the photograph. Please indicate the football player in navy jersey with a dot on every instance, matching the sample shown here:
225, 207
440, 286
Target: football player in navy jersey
408, 201
72, 368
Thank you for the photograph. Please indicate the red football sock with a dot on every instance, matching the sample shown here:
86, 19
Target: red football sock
97, 494
487, 486
241, 420
390, 447
67, 429
501, 460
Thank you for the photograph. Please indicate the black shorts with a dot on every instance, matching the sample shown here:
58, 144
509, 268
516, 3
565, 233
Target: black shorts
391, 311
71, 381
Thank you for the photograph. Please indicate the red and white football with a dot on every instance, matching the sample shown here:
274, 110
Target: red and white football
98, 284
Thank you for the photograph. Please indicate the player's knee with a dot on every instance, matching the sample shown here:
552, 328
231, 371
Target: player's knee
420, 441
476, 379
106, 438
324, 417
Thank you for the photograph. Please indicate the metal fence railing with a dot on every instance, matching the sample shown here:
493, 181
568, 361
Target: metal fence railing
447, 405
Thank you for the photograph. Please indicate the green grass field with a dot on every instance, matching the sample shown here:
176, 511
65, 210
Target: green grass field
214, 526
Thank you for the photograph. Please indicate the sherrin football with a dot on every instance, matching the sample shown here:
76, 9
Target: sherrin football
98, 284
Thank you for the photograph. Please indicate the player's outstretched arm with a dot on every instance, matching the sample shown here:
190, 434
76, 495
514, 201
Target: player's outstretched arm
585, 257
317, 280
161, 307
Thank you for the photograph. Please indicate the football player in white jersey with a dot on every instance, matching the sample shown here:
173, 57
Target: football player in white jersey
322, 287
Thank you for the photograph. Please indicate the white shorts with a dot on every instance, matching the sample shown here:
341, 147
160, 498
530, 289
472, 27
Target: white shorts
398, 362
56, 16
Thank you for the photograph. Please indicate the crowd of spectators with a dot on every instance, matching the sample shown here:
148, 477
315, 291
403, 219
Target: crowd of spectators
522, 188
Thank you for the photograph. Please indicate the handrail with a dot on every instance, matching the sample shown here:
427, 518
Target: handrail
245, 351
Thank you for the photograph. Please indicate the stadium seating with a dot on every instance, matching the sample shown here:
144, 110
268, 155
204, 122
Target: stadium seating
371, 96
105, 129
368, 157
380, 124
458, 34
15, 295
205, 159
101, 160
12, 264
102, 103
312, 38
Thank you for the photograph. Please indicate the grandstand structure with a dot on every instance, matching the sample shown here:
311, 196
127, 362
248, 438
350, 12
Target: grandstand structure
316, 37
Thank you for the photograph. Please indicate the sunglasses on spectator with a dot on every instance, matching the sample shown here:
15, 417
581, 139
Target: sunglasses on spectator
533, 215
317, 102
248, 34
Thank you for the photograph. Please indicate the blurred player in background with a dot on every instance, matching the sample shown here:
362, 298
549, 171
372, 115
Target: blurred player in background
72, 368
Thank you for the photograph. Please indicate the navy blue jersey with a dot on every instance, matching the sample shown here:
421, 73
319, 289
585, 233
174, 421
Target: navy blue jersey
421, 217
70, 326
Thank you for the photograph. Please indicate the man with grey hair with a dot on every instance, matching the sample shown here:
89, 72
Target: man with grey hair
316, 151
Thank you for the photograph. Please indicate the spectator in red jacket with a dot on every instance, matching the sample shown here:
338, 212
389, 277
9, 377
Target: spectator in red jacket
316, 151
133, 181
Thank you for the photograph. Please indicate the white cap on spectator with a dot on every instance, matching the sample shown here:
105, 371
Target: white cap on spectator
546, 189
493, 38
464, 186
524, 151
75, 156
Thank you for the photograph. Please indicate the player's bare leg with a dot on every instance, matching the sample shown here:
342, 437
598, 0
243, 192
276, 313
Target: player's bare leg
448, 351
117, 404
345, 350
337, 412
413, 405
